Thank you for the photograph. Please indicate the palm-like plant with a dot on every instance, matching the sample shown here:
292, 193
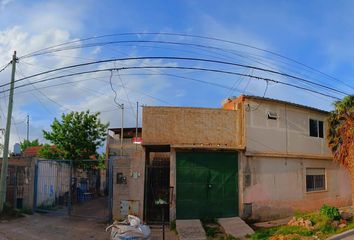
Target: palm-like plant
340, 134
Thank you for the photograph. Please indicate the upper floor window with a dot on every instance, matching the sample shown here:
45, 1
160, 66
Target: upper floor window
316, 128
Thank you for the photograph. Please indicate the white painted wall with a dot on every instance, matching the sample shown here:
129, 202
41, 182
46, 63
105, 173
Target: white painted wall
288, 134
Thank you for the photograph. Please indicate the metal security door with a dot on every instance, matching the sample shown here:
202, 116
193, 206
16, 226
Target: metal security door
206, 185
158, 183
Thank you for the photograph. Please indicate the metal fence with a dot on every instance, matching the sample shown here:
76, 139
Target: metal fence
63, 187
52, 184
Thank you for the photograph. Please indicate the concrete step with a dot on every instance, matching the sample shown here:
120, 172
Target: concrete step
190, 230
235, 226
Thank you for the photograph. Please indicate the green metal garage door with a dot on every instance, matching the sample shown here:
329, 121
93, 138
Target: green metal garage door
206, 185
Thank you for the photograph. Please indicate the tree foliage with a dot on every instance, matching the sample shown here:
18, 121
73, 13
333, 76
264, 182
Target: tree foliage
50, 152
340, 132
27, 143
77, 135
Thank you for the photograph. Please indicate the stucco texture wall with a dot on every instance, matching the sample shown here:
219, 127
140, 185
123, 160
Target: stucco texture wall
278, 186
288, 134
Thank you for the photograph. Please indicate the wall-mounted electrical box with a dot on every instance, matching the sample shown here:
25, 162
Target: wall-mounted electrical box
121, 179
272, 115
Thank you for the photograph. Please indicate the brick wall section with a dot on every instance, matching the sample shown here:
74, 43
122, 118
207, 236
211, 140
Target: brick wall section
28, 186
192, 126
132, 166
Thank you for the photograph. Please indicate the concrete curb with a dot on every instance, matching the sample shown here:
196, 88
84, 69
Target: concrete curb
342, 235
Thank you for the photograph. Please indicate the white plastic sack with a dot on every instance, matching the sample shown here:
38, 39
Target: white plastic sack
133, 221
130, 229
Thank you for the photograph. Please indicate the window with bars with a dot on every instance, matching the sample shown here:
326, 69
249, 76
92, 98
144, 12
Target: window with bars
316, 128
315, 179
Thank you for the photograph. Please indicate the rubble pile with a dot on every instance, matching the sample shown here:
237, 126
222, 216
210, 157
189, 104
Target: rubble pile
301, 223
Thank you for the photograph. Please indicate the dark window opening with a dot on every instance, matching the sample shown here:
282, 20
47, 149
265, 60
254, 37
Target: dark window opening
320, 129
315, 179
316, 128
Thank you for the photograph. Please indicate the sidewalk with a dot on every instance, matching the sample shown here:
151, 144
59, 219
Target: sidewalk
348, 235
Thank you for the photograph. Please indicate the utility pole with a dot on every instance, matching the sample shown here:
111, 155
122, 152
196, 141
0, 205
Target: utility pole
137, 122
5, 159
121, 130
27, 128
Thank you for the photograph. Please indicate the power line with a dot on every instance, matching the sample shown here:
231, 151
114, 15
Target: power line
17, 132
265, 92
115, 92
98, 93
193, 36
180, 68
262, 63
126, 93
186, 59
95, 91
5, 66
43, 94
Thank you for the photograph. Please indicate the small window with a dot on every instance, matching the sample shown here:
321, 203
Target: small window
316, 128
315, 179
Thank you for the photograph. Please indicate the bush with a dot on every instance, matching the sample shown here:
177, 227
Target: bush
27, 211
10, 212
330, 212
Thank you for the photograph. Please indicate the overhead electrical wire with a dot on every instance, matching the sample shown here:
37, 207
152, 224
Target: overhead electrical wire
185, 59
179, 68
5, 66
42, 93
223, 56
114, 91
139, 41
235, 52
126, 93
98, 93
193, 36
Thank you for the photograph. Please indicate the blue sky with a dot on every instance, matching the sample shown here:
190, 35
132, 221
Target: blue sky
318, 34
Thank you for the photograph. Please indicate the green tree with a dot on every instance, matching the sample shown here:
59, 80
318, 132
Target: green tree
102, 160
340, 135
77, 135
27, 143
50, 152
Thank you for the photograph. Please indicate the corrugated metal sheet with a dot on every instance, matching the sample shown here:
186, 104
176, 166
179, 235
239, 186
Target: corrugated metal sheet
53, 182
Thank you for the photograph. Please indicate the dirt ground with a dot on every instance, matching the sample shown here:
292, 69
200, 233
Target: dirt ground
40, 226
96, 208
47, 227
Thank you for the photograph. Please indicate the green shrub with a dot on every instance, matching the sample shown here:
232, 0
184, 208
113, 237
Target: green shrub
10, 212
27, 211
331, 212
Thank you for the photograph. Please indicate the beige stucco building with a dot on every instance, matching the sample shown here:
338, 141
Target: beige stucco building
254, 157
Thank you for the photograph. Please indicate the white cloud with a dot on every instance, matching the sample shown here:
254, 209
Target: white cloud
4, 3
